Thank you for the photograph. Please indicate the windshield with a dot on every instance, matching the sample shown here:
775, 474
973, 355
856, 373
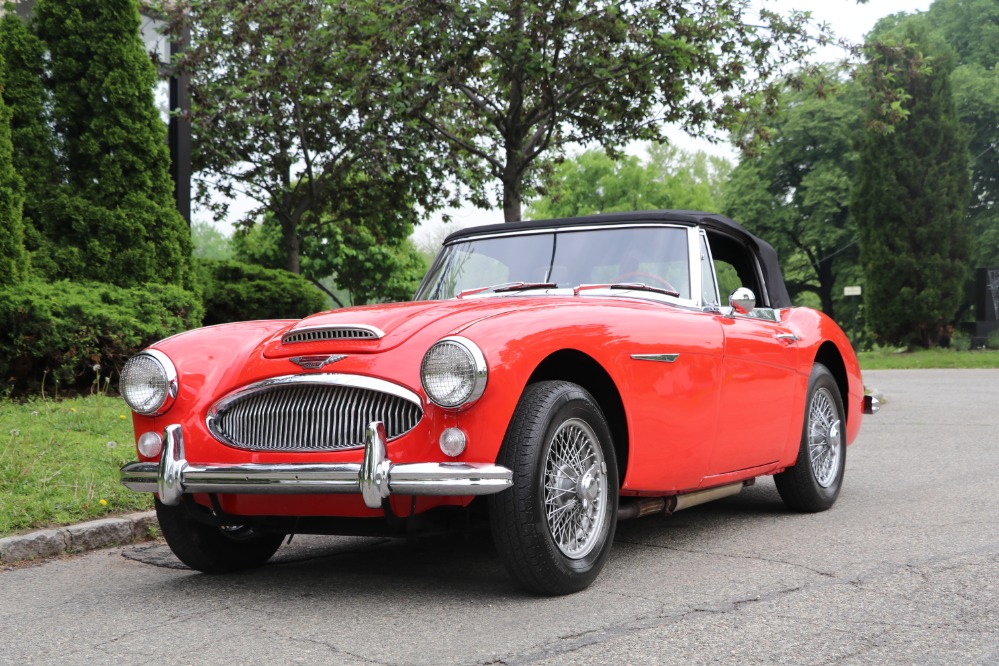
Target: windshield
655, 256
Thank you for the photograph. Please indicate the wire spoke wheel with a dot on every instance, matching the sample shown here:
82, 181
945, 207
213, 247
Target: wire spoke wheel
554, 528
813, 482
824, 438
575, 488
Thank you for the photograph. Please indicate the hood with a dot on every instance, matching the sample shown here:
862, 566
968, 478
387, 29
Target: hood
378, 328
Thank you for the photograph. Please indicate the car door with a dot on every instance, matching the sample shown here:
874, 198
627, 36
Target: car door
757, 391
758, 370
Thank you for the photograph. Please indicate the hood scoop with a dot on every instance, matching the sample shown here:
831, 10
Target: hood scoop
340, 332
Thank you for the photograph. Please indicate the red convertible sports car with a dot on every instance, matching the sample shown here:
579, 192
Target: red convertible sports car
554, 376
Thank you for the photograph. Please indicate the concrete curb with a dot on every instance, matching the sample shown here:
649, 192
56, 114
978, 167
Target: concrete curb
79, 538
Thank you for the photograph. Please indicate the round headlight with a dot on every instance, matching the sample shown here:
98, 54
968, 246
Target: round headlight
149, 383
453, 372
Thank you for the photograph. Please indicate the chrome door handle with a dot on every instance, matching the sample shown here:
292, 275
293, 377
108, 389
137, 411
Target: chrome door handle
787, 337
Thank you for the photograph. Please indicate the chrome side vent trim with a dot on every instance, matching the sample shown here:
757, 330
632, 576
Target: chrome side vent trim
323, 333
321, 412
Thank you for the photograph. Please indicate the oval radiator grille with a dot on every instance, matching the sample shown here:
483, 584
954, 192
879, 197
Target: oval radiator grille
310, 417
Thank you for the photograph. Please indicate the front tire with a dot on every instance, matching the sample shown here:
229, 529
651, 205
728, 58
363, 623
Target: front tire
212, 549
814, 482
554, 528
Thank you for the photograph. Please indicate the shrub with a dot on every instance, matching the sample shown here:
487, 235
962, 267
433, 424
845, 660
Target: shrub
960, 341
66, 332
234, 291
992, 342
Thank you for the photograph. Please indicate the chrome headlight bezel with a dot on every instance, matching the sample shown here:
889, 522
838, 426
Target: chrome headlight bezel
454, 373
161, 380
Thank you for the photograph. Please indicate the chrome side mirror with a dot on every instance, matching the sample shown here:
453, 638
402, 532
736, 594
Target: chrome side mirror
742, 300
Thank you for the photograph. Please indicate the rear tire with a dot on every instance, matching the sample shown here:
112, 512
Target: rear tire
213, 549
814, 482
554, 528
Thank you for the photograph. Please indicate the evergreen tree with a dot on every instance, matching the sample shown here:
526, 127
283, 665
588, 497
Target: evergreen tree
13, 257
31, 129
912, 191
971, 28
115, 220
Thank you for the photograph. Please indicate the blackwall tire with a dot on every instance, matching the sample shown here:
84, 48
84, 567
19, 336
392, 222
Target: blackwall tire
554, 528
814, 482
211, 549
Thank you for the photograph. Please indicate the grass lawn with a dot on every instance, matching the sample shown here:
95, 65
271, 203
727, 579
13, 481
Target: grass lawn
59, 462
59, 459
928, 358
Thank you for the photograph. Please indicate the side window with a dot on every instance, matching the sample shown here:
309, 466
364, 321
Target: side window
735, 266
728, 279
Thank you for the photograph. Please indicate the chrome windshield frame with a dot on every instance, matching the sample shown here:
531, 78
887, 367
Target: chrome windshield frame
693, 276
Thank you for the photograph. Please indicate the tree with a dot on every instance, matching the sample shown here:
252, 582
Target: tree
358, 258
31, 129
13, 256
510, 83
291, 105
114, 220
971, 28
594, 182
912, 191
796, 191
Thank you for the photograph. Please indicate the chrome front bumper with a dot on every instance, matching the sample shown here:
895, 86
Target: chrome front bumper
375, 478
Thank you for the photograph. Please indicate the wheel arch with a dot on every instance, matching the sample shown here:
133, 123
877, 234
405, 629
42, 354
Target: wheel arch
830, 356
579, 368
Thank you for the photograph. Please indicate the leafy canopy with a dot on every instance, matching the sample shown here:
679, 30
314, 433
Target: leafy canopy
294, 107
796, 191
509, 84
594, 182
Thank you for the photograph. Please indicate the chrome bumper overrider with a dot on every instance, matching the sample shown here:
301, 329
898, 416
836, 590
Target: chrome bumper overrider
375, 478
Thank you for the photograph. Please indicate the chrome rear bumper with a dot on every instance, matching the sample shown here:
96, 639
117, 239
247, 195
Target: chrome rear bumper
375, 478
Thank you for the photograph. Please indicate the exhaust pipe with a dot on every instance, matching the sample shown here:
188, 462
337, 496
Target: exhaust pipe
646, 506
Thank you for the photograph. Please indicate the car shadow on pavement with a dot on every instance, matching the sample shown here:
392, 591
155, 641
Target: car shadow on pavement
457, 562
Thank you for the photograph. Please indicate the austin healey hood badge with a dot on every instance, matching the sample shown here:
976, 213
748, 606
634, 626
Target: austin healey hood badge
317, 362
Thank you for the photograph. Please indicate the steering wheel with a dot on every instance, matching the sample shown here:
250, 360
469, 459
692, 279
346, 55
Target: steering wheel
662, 282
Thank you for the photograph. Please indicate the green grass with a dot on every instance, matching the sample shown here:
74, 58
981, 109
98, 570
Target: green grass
59, 462
928, 358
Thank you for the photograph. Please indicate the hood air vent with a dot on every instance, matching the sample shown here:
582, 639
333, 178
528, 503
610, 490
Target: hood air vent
324, 333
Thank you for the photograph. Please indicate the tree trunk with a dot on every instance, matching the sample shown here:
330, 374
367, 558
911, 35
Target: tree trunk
511, 198
826, 287
289, 237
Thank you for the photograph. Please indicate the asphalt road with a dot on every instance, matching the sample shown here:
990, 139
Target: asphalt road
904, 569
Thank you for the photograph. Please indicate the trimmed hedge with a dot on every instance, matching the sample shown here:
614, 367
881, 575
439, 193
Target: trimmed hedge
69, 333
234, 291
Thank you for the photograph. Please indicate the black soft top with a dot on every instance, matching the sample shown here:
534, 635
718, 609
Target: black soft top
765, 252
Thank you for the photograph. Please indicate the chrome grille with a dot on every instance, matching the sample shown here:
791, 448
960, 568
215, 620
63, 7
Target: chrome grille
310, 414
323, 333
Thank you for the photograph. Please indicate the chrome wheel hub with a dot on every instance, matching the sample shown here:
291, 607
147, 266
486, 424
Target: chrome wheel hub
575, 488
824, 438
